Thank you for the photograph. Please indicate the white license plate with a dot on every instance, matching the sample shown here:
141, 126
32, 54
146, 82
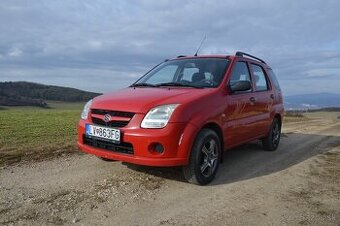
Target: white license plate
103, 133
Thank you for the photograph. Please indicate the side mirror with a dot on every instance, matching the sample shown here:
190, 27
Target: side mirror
240, 86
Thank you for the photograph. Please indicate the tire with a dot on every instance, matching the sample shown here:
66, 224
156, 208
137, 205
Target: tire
271, 142
204, 159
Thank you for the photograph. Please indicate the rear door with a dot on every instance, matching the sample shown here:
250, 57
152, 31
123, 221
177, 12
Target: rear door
278, 100
240, 109
263, 99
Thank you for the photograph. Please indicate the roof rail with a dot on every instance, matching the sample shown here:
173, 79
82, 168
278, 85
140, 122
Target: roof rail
241, 54
180, 56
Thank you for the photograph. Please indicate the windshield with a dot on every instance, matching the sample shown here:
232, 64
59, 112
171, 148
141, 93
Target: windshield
198, 73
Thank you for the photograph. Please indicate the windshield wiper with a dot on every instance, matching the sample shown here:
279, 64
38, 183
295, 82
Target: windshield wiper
143, 84
178, 84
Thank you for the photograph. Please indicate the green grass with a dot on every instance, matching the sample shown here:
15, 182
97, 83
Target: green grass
30, 133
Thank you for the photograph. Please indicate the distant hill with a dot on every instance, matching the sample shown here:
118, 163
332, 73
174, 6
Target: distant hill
33, 94
312, 101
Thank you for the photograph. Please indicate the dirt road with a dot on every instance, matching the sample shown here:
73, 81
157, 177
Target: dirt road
297, 185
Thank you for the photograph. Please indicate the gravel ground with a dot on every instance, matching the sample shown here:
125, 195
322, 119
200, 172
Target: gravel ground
297, 185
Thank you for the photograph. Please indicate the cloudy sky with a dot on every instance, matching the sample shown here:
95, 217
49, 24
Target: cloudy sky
102, 45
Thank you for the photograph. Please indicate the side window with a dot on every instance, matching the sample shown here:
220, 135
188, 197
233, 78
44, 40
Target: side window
273, 79
260, 78
240, 73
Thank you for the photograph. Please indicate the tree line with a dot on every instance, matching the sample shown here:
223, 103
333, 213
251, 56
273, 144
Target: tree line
33, 94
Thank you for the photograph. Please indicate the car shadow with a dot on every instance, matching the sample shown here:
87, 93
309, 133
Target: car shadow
250, 160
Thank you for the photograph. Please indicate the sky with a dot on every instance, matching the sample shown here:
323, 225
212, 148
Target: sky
101, 46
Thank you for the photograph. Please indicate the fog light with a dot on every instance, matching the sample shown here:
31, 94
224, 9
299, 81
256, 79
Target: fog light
159, 148
156, 148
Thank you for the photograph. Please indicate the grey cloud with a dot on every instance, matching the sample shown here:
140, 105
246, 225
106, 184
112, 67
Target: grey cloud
72, 42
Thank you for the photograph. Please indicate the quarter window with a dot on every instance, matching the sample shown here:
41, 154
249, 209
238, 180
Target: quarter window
261, 83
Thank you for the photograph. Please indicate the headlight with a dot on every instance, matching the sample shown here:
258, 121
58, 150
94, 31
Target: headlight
86, 110
158, 117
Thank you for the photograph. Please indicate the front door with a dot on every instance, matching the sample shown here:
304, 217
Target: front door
239, 125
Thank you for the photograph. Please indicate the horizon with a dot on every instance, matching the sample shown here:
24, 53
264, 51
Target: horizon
332, 93
102, 46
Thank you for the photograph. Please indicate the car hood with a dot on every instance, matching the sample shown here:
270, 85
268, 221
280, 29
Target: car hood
142, 99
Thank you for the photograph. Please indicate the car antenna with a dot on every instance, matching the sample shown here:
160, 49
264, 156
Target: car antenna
205, 36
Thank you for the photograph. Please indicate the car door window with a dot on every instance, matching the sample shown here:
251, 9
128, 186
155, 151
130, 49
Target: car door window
261, 83
240, 73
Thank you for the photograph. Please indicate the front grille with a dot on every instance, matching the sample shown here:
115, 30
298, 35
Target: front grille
125, 148
109, 124
113, 113
113, 123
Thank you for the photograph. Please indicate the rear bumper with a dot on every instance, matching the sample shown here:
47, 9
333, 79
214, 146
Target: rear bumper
176, 139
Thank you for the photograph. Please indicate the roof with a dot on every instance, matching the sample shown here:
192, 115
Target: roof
237, 54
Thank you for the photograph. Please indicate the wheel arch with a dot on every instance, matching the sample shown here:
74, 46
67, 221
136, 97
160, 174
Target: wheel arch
278, 116
217, 129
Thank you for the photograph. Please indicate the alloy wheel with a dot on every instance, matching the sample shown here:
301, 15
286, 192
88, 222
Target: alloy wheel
209, 158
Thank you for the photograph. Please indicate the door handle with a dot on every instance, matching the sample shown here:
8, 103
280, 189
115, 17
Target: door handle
252, 99
272, 96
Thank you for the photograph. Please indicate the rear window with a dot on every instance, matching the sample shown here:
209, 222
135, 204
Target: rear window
273, 79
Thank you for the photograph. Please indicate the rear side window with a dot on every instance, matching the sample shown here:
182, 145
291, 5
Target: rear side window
274, 79
240, 73
261, 83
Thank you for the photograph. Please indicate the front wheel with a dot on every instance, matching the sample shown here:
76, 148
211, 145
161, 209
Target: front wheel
204, 158
271, 142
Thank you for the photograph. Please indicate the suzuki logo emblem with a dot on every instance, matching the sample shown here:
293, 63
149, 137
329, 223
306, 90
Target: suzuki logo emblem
107, 118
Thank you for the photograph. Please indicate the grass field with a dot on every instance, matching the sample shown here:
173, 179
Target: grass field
29, 133
295, 116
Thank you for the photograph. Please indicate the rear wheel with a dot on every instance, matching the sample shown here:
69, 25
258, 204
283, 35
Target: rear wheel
271, 142
204, 158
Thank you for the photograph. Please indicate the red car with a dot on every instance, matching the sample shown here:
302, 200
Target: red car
186, 112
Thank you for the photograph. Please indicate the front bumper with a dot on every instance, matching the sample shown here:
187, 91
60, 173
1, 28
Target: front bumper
176, 138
